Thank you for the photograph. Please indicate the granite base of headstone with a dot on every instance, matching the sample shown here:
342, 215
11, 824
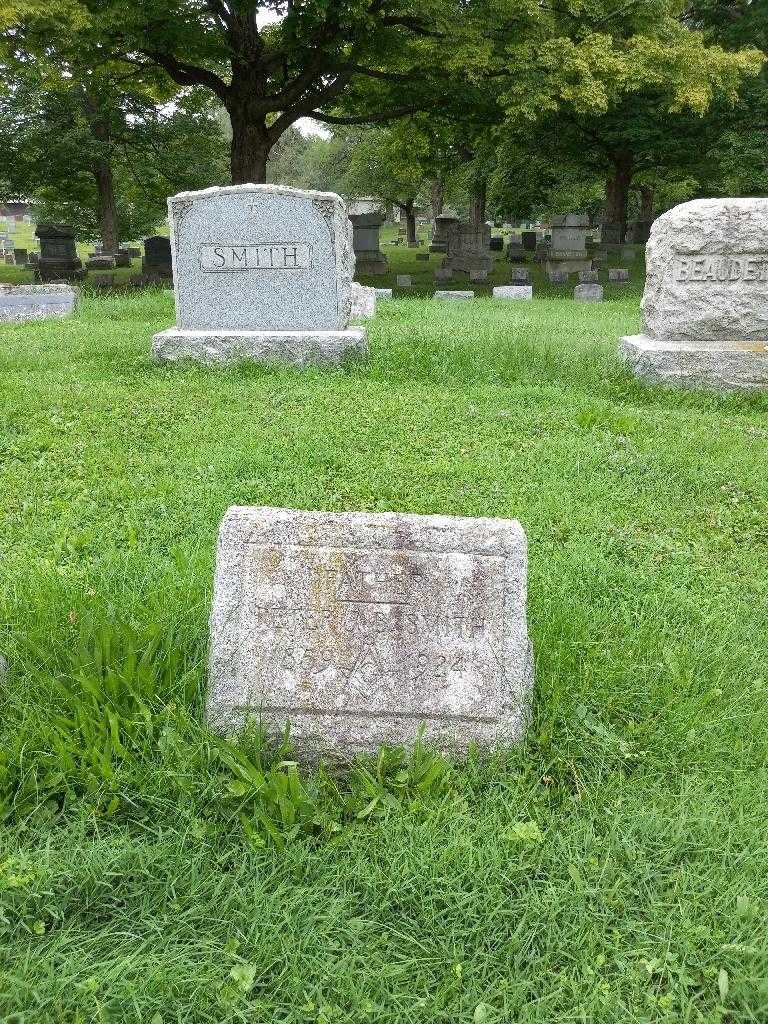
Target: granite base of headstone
442, 294
513, 291
35, 301
705, 315
588, 293
263, 273
356, 630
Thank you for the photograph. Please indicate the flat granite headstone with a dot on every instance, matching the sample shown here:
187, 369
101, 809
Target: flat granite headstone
404, 280
359, 629
588, 277
520, 275
588, 292
453, 295
35, 301
261, 272
705, 307
558, 276
513, 291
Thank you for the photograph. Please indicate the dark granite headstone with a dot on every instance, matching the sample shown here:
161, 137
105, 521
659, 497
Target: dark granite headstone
157, 257
58, 255
497, 243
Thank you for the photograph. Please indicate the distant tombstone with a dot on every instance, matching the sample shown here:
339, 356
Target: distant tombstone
363, 302
558, 276
32, 259
496, 243
20, 256
628, 254
705, 313
157, 257
588, 293
261, 272
133, 253
443, 224
588, 277
404, 280
468, 248
453, 295
422, 257
443, 274
58, 254
513, 291
9, 259
640, 231
383, 293
520, 275
478, 276
618, 276
528, 239
369, 259
35, 302
361, 629
611, 234
101, 281
101, 263
568, 246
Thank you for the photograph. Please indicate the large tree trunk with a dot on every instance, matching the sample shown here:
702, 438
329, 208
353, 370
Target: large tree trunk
477, 204
410, 223
110, 230
250, 146
98, 123
437, 197
646, 203
617, 193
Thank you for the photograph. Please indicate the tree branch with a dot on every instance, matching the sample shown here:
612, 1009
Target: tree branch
188, 74
390, 115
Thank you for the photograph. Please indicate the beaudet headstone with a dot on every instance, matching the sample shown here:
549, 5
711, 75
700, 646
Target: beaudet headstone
35, 301
360, 629
513, 291
261, 272
704, 307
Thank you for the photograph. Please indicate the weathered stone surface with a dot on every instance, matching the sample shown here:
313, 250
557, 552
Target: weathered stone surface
528, 239
443, 274
101, 263
704, 306
682, 366
588, 277
588, 293
383, 293
360, 629
513, 291
558, 276
366, 226
404, 280
478, 276
453, 295
20, 256
618, 275
363, 302
469, 248
58, 254
496, 243
35, 302
261, 258
520, 275
157, 260
298, 348
629, 254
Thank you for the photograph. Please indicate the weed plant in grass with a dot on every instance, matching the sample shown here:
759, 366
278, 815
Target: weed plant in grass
611, 869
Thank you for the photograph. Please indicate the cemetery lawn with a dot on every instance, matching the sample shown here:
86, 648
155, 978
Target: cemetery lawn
611, 869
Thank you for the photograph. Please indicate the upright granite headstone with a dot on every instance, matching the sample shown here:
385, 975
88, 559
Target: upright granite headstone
588, 293
513, 291
568, 248
58, 254
157, 257
20, 256
705, 305
261, 272
359, 629
369, 259
443, 225
529, 240
363, 302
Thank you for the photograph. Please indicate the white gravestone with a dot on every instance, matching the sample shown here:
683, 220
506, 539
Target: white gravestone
442, 294
705, 305
513, 291
358, 629
35, 301
260, 272
363, 302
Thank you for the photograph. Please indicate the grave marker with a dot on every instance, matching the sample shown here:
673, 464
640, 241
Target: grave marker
360, 629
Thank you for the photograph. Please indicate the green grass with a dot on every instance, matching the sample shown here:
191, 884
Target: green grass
611, 869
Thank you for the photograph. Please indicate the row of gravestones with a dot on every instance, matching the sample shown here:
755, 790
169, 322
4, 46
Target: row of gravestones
58, 259
361, 629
